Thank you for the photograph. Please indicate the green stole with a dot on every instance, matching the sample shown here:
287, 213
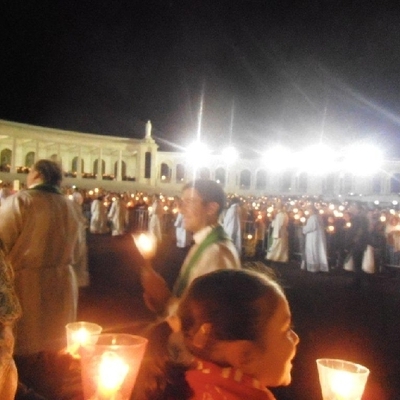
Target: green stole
44, 187
216, 235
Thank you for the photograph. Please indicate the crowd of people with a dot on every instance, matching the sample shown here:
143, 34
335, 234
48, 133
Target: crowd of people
45, 262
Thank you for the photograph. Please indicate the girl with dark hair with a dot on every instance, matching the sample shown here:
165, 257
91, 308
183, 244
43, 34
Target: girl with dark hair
235, 326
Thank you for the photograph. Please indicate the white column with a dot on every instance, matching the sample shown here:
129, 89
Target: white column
13, 168
100, 165
119, 167
79, 164
59, 158
37, 158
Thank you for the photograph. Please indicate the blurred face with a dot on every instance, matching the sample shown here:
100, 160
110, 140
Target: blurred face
272, 362
195, 211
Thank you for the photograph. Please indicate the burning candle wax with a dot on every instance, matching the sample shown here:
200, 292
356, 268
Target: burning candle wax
112, 372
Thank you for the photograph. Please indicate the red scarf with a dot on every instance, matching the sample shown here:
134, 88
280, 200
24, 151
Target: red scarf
211, 382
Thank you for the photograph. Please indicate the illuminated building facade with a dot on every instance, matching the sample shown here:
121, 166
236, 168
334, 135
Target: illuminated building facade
120, 163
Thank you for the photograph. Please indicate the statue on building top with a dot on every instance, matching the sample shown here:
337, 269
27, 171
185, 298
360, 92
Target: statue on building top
148, 130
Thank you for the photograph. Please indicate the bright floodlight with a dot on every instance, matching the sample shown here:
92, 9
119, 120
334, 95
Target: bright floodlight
277, 158
197, 153
363, 159
230, 155
316, 159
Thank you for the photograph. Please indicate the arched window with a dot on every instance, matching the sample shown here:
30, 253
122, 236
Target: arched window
285, 184
5, 159
30, 159
147, 165
95, 167
123, 169
75, 165
376, 184
329, 184
220, 176
245, 179
395, 183
165, 173
302, 181
261, 179
180, 173
346, 184
54, 157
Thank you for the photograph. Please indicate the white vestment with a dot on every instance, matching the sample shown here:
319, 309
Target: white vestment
232, 226
279, 249
118, 217
183, 236
40, 231
220, 255
155, 215
98, 219
316, 258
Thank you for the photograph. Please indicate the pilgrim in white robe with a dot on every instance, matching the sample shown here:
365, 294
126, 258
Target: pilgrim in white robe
316, 258
118, 217
98, 219
183, 237
40, 231
279, 249
155, 215
232, 226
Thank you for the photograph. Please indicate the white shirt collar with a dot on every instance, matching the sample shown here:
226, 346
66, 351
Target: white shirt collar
200, 235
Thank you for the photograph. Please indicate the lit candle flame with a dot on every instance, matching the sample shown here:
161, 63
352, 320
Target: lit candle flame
112, 372
146, 244
342, 384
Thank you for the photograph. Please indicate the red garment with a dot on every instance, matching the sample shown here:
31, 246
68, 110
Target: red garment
211, 382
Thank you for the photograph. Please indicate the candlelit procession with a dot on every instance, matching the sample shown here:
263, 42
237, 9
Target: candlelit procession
162, 261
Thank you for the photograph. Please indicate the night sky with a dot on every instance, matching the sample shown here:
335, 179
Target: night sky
289, 72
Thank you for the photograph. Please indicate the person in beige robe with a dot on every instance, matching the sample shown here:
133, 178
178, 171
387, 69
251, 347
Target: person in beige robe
279, 249
40, 229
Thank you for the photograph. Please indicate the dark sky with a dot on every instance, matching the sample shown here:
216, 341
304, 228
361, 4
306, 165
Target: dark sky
293, 71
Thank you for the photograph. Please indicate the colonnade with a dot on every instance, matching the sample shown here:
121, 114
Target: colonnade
98, 157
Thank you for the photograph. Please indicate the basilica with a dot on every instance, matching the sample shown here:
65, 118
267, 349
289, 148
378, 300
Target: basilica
121, 163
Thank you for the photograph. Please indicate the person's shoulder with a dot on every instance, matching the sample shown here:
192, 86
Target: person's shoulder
224, 252
20, 195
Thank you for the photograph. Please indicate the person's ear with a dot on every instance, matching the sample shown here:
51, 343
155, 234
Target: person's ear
200, 338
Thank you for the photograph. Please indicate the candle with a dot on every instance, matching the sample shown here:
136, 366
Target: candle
341, 380
112, 373
342, 384
79, 334
110, 366
146, 244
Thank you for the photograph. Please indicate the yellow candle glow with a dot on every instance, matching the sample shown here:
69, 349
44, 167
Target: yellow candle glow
342, 384
80, 334
341, 380
112, 372
146, 244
